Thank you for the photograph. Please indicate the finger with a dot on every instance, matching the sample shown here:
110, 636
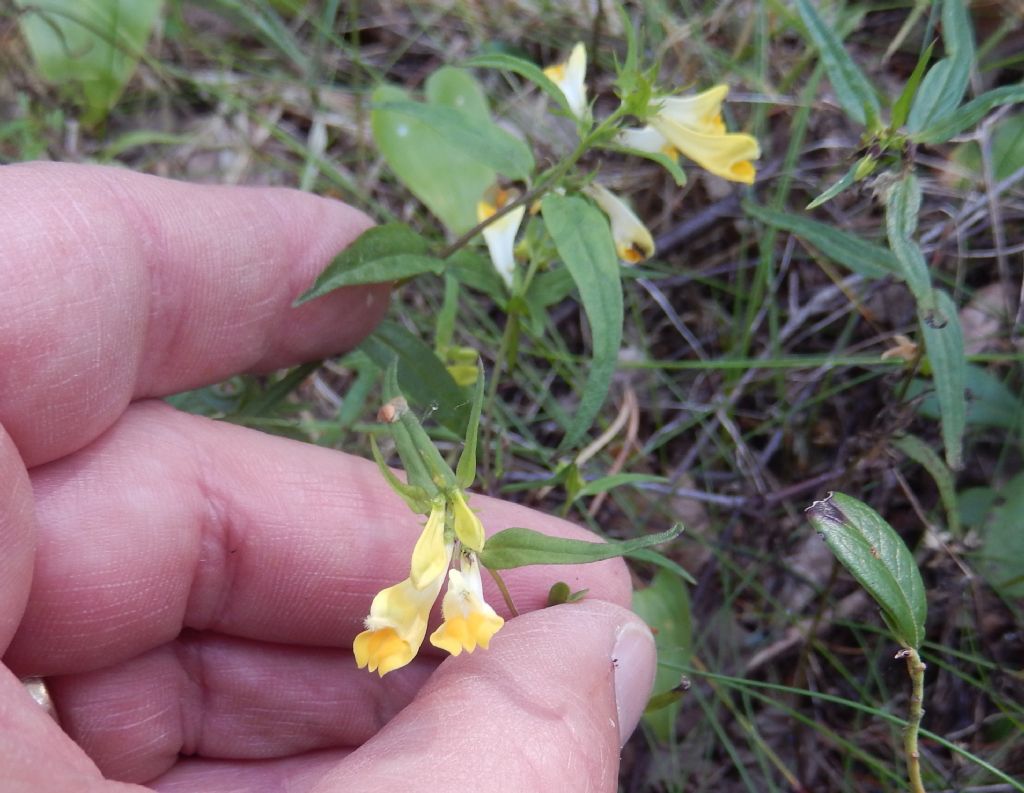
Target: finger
120, 285
216, 697
171, 521
546, 708
17, 538
35, 755
233, 776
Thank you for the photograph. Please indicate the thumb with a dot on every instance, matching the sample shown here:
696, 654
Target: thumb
546, 708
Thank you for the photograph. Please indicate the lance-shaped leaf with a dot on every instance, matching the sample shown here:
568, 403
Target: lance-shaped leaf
849, 250
923, 454
584, 241
903, 202
524, 68
520, 547
381, 254
969, 114
871, 550
415, 497
944, 342
854, 92
944, 85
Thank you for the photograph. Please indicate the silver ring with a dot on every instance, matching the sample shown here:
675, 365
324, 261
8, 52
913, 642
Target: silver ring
38, 690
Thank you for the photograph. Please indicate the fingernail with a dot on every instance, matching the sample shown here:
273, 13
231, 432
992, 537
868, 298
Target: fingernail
633, 664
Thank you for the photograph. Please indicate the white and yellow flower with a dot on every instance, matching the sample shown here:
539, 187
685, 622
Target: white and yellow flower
468, 620
693, 126
633, 241
500, 235
398, 615
570, 77
398, 618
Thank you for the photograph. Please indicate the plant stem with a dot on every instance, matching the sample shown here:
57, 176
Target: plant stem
504, 592
915, 667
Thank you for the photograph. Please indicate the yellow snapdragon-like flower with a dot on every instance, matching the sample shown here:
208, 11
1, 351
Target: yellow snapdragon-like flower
633, 241
693, 126
468, 620
396, 626
500, 235
398, 615
570, 78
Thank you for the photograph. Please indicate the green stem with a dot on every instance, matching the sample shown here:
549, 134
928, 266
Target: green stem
915, 667
504, 592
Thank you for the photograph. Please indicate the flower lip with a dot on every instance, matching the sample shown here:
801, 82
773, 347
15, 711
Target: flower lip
469, 621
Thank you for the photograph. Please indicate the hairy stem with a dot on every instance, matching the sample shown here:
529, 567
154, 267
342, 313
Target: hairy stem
915, 667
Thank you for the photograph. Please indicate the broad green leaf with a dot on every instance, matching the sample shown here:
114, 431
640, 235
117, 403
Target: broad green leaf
1007, 151
465, 471
665, 606
1003, 549
901, 107
437, 171
945, 84
423, 379
383, 253
923, 454
560, 593
837, 188
474, 269
584, 243
944, 343
606, 483
903, 203
457, 89
849, 250
89, 46
483, 143
524, 68
855, 94
969, 114
871, 550
521, 547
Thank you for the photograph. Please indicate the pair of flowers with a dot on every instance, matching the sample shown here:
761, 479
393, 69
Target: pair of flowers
689, 125
398, 617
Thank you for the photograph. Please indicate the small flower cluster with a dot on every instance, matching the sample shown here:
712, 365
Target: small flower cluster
691, 126
398, 618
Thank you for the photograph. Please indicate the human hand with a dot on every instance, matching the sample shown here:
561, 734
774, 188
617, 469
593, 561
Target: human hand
190, 589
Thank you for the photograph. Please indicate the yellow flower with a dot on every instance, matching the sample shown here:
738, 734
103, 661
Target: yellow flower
430, 556
633, 242
500, 235
693, 126
468, 527
396, 626
468, 620
570, 77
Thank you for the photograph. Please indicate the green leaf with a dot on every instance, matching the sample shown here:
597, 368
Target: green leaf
436, 171
524, 68
945, 346
584, 242
422, 377
665, 606
606, 483
381, 254
871, 550
474, 269
969, 114
670, 164
520, 547
483, 143
923, 454
903, 202
902, 105
855, 94
561, 593
849, 250
1003, 550
991, 404
90, 46
465, 471
846, 180
945, 84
